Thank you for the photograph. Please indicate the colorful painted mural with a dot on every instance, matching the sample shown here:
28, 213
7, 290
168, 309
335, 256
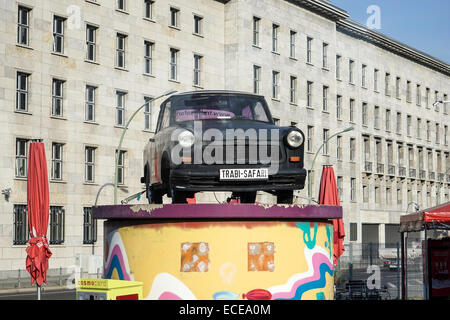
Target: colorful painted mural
223, 259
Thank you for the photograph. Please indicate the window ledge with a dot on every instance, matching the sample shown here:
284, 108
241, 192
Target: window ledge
119, 127
91, 122
21, 179
364, 87
309, 64
293, 58
93, 2
59, 54
275, 52
197, 86
326, 111
198, 35
310, 108
293, 104
174, 27
90, 183
58, 181
376, 91
175, 81
122, 11
58, 118
148, 131
91, 61
121, 69
24, 46
351, 83
149, 19
275, 99
325, 69
256, 47
148, 75
339, 79
23, 112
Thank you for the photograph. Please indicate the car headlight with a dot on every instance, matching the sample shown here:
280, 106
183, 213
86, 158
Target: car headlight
186, 139
294, 139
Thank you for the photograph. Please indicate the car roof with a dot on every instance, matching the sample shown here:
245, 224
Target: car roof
216, 92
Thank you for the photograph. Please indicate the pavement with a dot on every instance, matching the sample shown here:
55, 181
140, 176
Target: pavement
47, 293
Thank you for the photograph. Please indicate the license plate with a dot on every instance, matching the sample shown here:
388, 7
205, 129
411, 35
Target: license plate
244, 174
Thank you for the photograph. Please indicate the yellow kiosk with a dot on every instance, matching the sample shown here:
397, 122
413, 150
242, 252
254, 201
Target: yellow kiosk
107, 289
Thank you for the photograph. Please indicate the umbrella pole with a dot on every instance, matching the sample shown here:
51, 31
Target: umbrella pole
38, 292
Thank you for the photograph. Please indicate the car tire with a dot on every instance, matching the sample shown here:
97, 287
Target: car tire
245, 197
179, 196
285, 197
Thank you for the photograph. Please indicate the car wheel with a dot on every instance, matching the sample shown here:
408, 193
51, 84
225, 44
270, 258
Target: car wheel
179, 196
246, 197
285, 197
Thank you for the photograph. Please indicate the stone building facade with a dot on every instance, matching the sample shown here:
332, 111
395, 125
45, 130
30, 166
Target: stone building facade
72, 73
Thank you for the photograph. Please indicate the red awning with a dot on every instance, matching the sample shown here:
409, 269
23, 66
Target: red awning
433, 218
38, 251
329, 195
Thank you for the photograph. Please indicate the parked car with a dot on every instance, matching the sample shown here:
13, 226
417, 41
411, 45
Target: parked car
222, 141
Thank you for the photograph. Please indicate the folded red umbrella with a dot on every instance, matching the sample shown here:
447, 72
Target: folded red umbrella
329, 195
38, 251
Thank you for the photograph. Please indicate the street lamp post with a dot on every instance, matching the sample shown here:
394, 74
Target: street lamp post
116, 169
314, 160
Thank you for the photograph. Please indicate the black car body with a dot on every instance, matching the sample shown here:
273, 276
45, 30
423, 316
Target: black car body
222, 141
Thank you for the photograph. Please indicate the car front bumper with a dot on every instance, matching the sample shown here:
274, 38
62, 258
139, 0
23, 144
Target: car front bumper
196, 178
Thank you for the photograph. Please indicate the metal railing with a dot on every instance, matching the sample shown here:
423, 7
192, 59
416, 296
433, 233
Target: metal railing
380, 168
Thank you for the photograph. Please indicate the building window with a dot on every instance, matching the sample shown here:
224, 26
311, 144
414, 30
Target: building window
408, 91
338, 67
58, 34
325, 98
57, 161
428, 130
22, 91
23, 26
339, 147
436, 99
21, 158
275, 28
445, 138
419, 124
275, 84
148, 57
198, 25
21, 234
174, 17
340, 187
121, 5
353, 231
120, 50
444, 104
408, 125
197, 70
293, 90
148, 113
363, 75
365, 190
350, 71
90, 103
256, 24
364, 114
121, 167
120, 108
352, 149
89, 164
376, 122
375, 80
387, 80
325, 55
438, 140
292, 39
309, 88
338, 107
256, 79
427, 97
56, 226
325, 141
149, 9
174, 64
352, 189
57, 97
418, 95
388, 120
309, 41
91, 40
89, 227
352, 110
397, 87
309, 139
399, 123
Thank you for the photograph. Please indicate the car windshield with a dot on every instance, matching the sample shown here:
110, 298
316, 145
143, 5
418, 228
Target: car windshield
219, 107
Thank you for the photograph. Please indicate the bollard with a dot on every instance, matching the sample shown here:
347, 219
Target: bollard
18, 284
60, 276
